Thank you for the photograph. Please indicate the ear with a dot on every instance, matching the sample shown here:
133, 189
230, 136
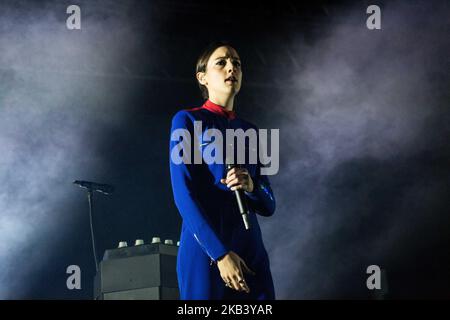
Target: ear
201, 77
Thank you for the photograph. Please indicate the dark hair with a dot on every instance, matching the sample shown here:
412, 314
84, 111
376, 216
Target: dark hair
202, 61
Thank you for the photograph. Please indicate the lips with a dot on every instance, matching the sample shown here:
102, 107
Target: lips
232, 79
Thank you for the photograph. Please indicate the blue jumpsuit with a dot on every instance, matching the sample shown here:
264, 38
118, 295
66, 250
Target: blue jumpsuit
212, 224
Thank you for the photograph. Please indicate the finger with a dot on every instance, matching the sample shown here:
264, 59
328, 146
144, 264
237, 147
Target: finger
235, 284
238, 176
241, 281
231, 171
223, 181
237, 180
233, 183
241, 184
237, 171
231, 177
238, 187
228, 283
244, 285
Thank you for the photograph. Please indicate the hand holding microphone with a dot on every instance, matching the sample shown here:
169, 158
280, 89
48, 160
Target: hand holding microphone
239, 180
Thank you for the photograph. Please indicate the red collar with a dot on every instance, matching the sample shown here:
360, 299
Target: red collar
217, 109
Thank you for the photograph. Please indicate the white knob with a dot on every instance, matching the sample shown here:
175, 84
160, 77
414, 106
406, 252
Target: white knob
139, 242
156, 240
168, 241
178, 243
122, 244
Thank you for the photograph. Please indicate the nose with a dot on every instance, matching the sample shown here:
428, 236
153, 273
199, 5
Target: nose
231, 68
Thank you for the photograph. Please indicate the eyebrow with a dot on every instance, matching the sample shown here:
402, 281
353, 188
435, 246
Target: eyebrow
235, 58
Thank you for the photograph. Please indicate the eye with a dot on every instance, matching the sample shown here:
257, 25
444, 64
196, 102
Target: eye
237, 63
221, 62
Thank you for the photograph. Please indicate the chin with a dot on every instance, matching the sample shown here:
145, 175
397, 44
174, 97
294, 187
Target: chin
234, 89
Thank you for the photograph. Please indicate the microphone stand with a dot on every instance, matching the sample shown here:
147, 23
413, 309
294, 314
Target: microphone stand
91, 187
90, 200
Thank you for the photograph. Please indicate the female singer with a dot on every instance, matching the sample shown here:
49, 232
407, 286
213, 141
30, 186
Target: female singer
218, 258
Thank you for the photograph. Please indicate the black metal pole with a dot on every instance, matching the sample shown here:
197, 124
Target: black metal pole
90, 199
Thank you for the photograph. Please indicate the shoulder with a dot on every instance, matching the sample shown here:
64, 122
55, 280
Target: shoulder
186, 117
181, 116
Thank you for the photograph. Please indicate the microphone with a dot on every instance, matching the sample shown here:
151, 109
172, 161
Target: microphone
93, 186
241, 201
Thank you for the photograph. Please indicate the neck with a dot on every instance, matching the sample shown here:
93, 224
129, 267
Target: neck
226, 102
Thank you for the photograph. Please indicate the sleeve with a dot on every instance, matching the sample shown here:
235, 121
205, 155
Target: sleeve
261, 200
183, 177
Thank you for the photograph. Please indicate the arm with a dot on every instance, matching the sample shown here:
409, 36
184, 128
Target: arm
261, 200
257, 189
184, 191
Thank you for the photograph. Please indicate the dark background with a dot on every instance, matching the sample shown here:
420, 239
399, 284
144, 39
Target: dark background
363, 118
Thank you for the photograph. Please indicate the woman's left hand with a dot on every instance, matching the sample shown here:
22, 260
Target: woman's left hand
238, 178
